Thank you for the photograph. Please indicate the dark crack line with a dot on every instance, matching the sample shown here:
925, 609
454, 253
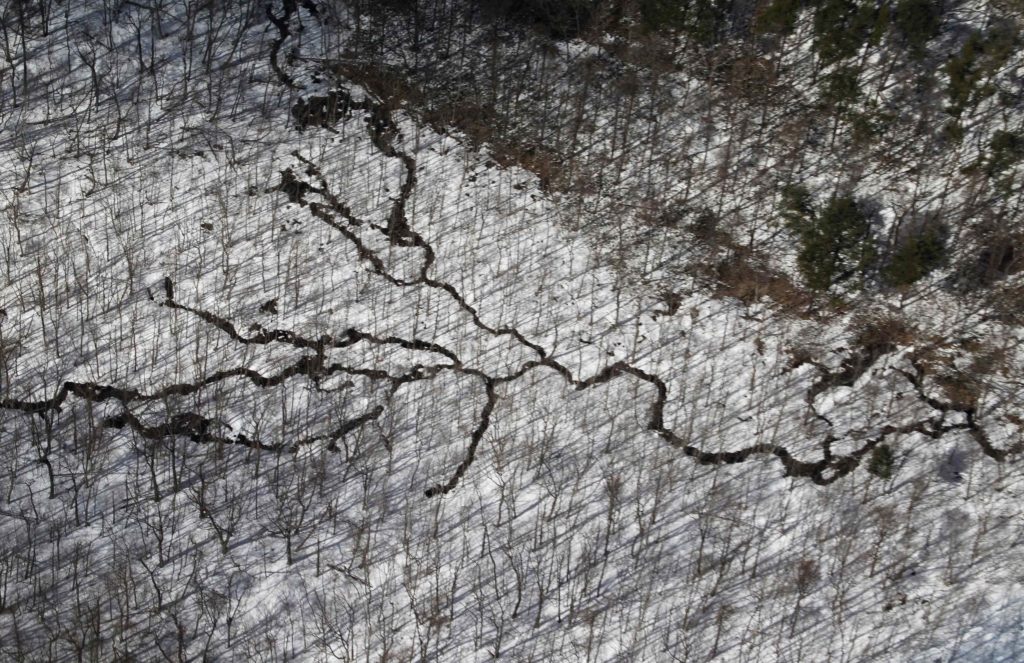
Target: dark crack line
413, 240
284, 32
196, 426
263, 336
198, 429
478, 434
916, 379
309, 366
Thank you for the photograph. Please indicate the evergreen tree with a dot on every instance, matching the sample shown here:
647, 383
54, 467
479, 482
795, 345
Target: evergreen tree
918, 22
881, 462
916, 255
705, 21
779, 17
970, 69
840, 88
835, 244
1006, 149
841, 27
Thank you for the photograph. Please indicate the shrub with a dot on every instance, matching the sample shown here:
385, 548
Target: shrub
881, 461
808, 574
740, 277
705, 224
916, 254
840, 88
877, 334
997, 252
796, 206
962, 76
1006, 149
958, 391
1000, 257
952, 132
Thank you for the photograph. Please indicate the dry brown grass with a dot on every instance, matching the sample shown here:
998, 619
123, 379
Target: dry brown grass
958, 390
740, 277
877, 331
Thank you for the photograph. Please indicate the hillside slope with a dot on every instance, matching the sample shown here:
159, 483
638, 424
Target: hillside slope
296, 364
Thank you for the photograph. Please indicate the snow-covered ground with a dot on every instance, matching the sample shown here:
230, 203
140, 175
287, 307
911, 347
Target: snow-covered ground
355, 392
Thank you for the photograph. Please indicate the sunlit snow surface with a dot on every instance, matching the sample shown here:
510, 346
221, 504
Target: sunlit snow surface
578, 532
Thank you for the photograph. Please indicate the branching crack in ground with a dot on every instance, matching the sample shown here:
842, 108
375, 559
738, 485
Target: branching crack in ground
331, 210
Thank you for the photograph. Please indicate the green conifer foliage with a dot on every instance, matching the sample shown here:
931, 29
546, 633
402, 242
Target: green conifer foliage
835, 243
881, 462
